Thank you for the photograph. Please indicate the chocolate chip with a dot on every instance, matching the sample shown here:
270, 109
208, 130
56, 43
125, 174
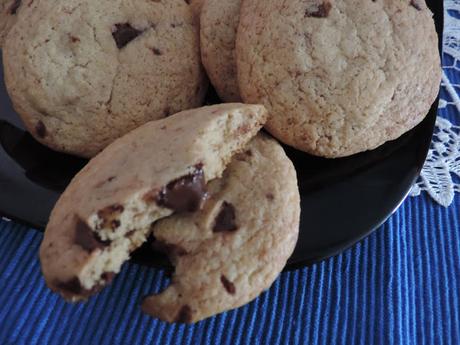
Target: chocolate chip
186, 194
270, 196
109, 216
228, 285
73, 286
14, 7
124, 33
156, 51
184, 315
86, 238
187, 2
168, 248
114, 224
321, 11
225, 220
74, 39
40, 129
108, 277
415, 5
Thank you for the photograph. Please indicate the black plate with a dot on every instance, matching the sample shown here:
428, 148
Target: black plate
343, 200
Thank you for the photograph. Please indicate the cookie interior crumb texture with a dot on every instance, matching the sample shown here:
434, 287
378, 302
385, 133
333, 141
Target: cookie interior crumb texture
232, 250
90, 71
109, 207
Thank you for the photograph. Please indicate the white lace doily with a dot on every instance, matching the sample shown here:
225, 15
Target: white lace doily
442, 167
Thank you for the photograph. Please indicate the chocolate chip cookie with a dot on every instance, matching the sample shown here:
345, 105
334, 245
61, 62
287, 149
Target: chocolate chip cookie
234, 248
338, 77
219, 22
159, 168
83, 73
9, 12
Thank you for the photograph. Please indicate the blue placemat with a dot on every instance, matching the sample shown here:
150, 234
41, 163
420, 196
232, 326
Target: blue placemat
399, 286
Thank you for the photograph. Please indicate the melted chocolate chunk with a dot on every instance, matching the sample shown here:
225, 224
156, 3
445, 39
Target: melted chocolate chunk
15, 7
40, 129
322, 11
124, 33
415, 5
87, 238
186, 194
225, 220
184, 315
228, 285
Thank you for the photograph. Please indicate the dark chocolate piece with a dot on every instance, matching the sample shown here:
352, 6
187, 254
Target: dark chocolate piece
168, 248
73, 286
40, 129
322, 11
225, 220
124, 33
156, 51
186, 194
86, 238
228, 285
184, 315
15, 7
415, 5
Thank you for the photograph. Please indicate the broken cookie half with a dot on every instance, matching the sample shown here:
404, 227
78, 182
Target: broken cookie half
233, 249
160, 168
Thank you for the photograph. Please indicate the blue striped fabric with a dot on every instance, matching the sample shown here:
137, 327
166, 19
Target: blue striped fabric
399, 286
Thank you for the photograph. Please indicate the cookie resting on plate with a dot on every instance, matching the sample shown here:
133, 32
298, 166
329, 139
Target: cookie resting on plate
82, 73
234, 248
338, 77
159, 168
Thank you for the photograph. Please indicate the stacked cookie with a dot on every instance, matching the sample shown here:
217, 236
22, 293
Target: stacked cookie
122, 81
337, 77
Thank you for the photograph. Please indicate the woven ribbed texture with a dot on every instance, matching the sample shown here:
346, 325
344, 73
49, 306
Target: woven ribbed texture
399, 286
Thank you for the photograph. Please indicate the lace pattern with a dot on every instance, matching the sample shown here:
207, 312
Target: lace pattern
439, 177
